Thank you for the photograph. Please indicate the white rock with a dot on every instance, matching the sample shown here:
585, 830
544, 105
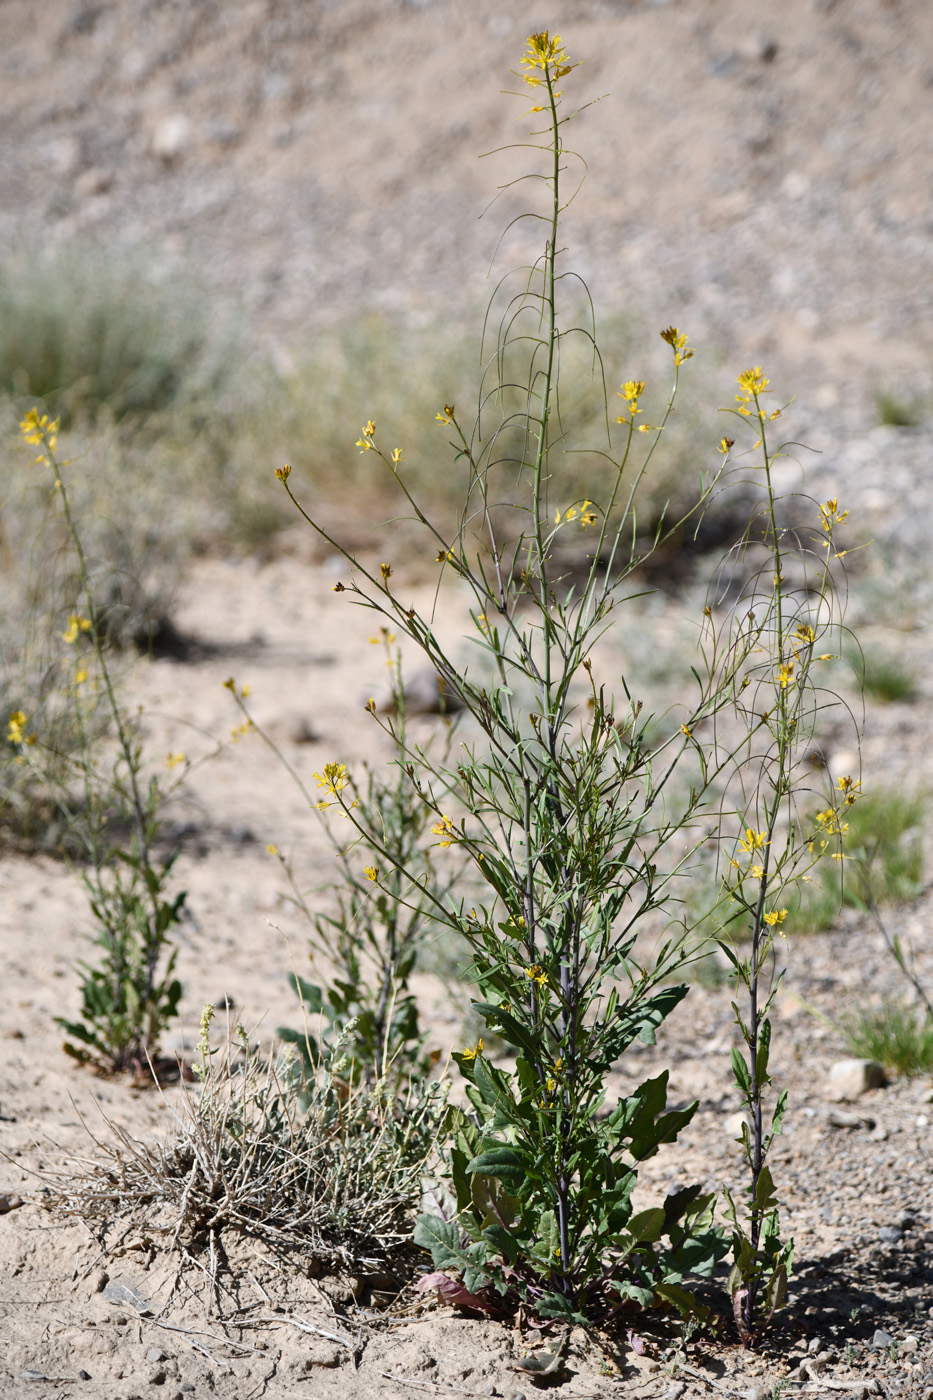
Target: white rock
172, 135
850, 1078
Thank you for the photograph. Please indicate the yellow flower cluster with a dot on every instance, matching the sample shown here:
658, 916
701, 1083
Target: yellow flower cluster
535, 973
447, 416
753, 384
365, 443
445, 828
677, 340
333, 780
473, 1050
631, 391
581, 511
16, 729
831, 515
545, 53
76, 625
38, 429
753, 841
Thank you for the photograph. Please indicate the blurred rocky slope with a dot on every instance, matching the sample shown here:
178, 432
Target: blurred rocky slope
757, 174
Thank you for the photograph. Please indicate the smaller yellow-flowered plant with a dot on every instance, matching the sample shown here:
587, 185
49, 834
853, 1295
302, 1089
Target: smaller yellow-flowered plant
473, 1051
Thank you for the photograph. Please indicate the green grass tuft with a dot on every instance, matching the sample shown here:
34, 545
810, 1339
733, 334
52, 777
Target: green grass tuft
898, 1036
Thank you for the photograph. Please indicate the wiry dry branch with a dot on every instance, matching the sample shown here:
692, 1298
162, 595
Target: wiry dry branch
335, 1181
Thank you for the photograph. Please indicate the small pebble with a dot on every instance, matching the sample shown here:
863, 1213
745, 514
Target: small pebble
84, 1375
890, 1234
814, 1345
844, 1118
9, 1200
910, 1344
882, 1339
156, 1354
117, 1292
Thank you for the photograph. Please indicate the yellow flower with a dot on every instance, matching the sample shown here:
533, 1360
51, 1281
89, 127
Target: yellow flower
677, 340
631, 392
725, 444
752, 381
831, 515
370, 872
545, 53
756, 872
365, 442
785, 674
283, 473
473, 1050
806, 634
334, 778
535, 973
776, 916
686, 730
174, 759
16, 728
398, 455
76, 625
386, 571
273, 850
753, 841
445, 828
39, 428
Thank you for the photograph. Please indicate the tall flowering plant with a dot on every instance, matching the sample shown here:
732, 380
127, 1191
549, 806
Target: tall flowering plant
567, 807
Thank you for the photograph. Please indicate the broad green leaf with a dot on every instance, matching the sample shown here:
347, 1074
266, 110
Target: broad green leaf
647, 1226
740, 1070
440, 1237
501, 1161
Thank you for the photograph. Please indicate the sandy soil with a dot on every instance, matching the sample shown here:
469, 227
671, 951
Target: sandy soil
762, 178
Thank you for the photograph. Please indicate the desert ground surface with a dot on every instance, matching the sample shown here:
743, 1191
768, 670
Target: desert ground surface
759, 177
